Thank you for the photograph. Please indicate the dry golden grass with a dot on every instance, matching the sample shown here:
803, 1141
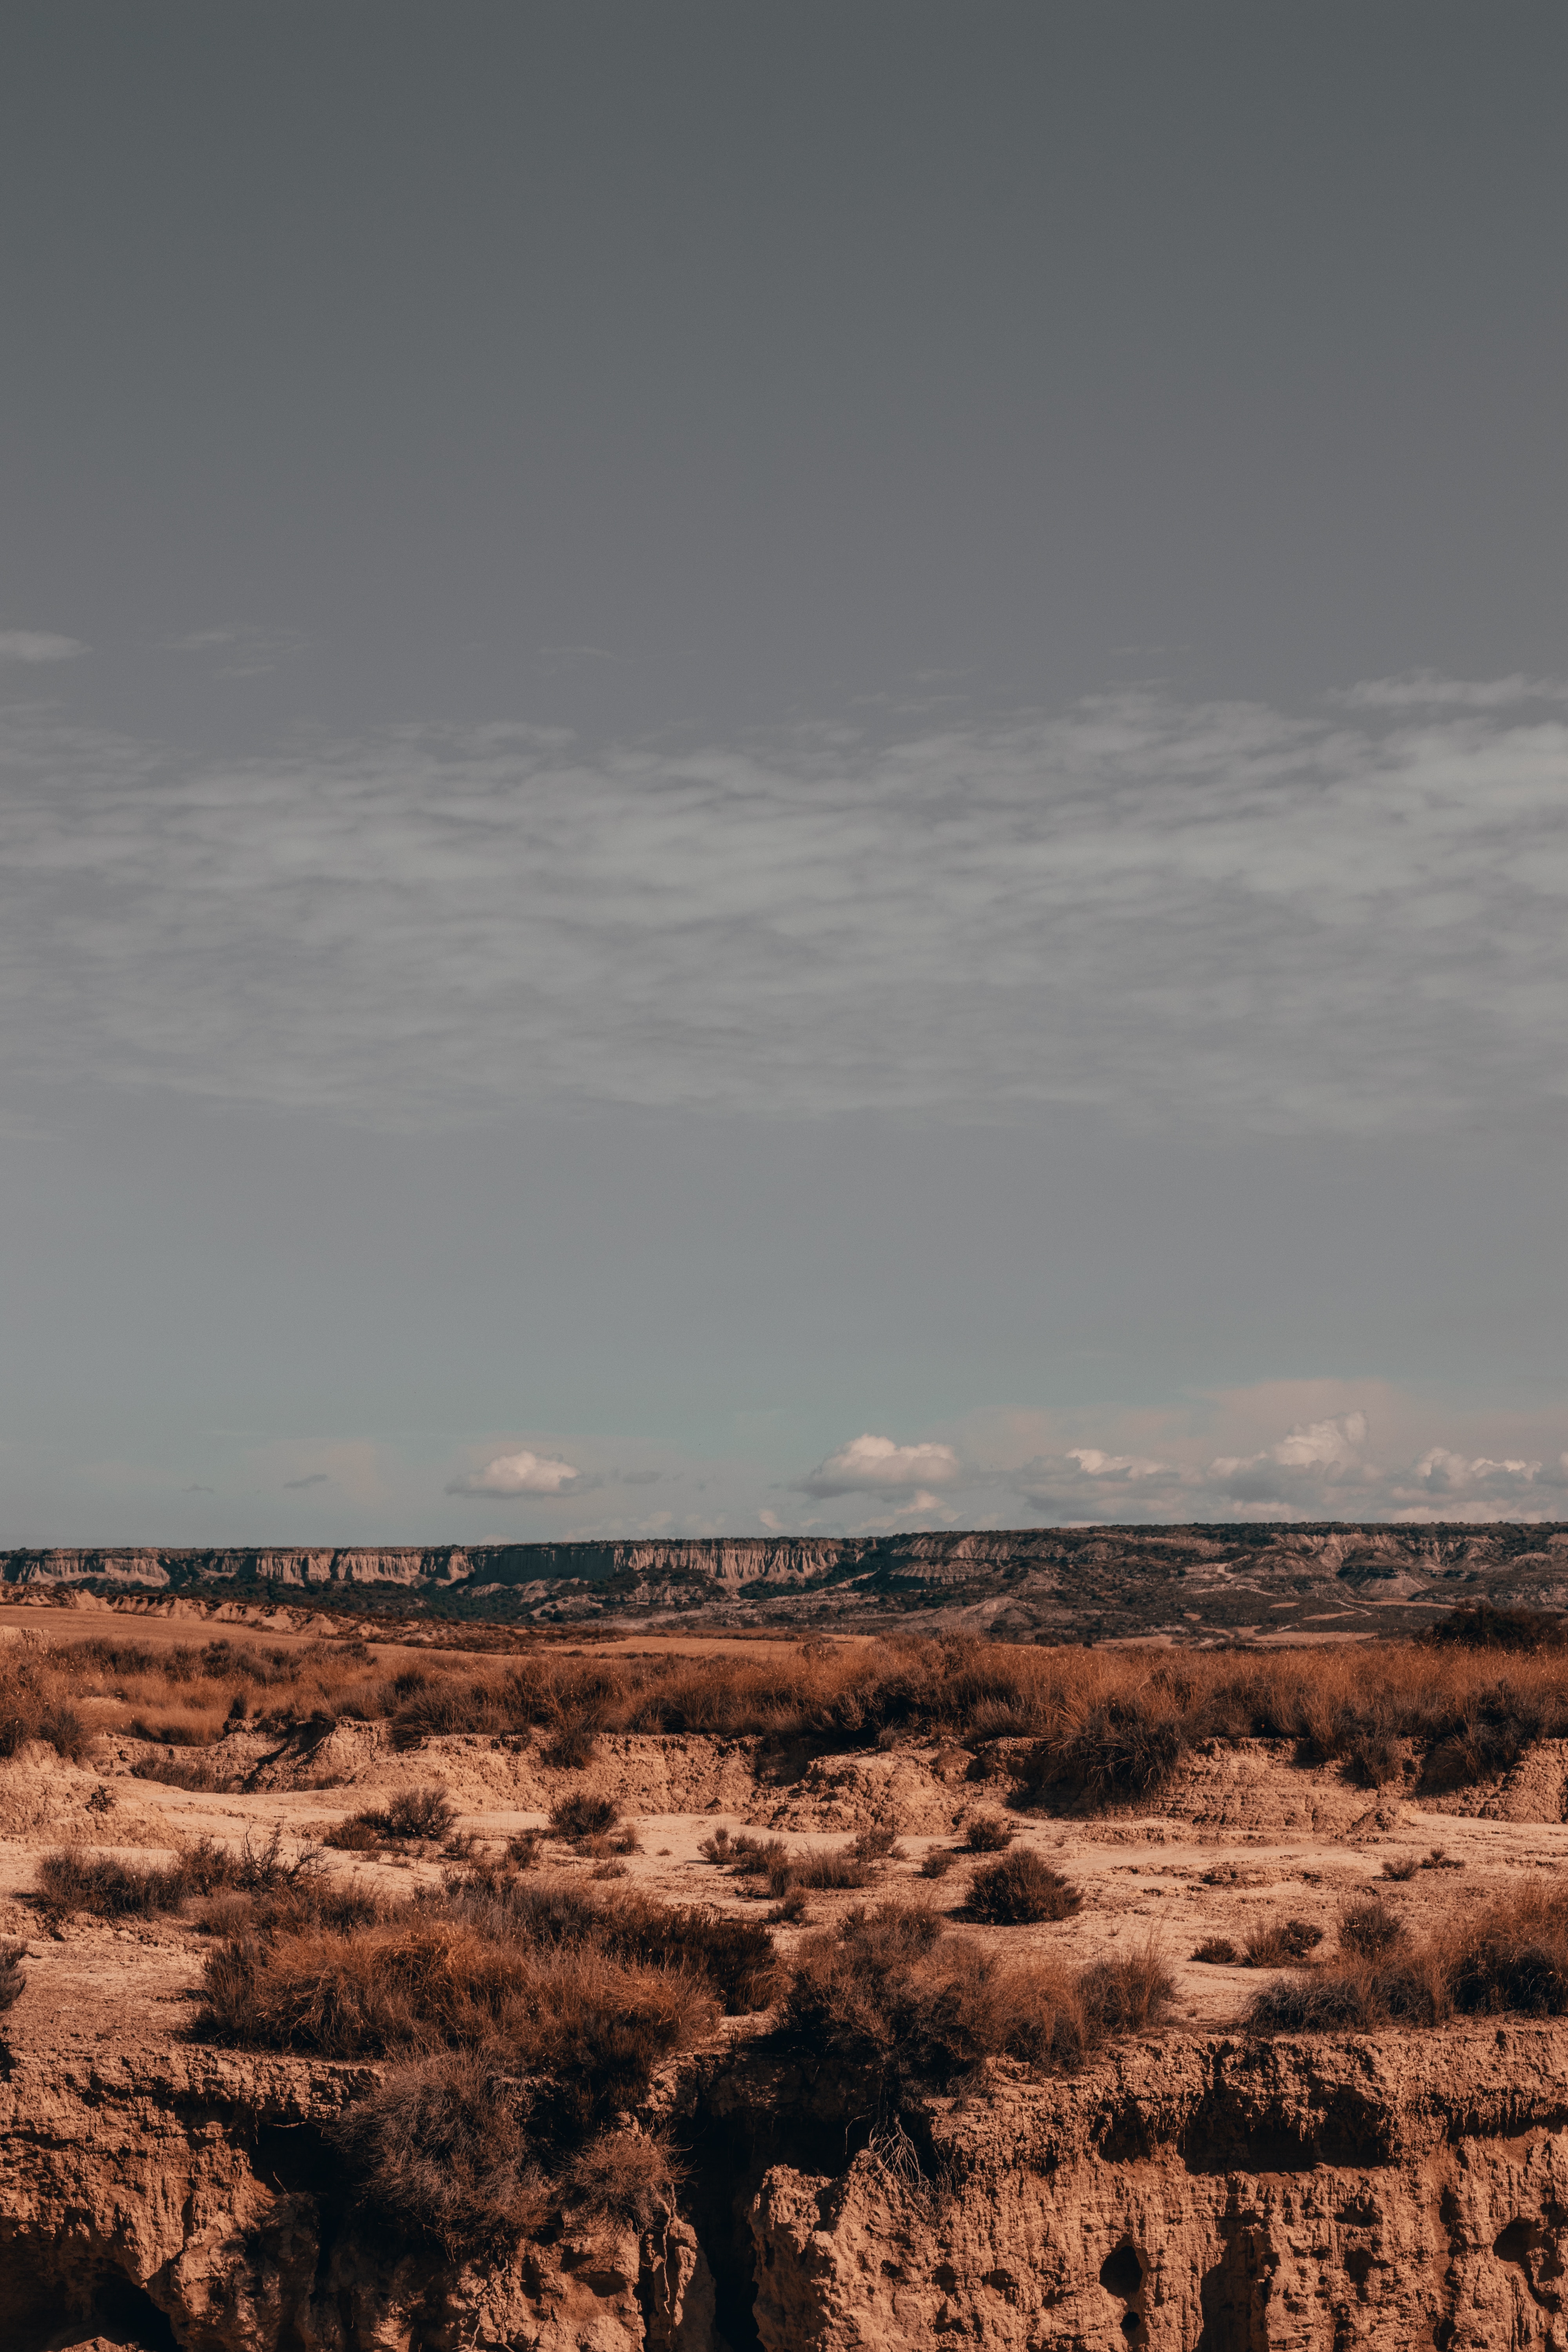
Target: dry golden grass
1107, 1725
1509, 1958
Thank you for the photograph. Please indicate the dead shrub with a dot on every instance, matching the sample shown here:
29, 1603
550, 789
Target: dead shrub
732, 1957
1218, 1951
1369, 1928
1127, 1995
181, 1771
1512, 1959
34, 1707
1515, 1956
988, 1833
1121, 1750
1355, 1996
1368, 1745
580, 1815
585, 2028
355, 1836
1400, 1867
877, 1845
422, 1815
891, 2000
1492, 1737
439, 2152
623, 2175
74, 1880
107, 1889
1019, 1890
573, 1746
1279, 1941
820, 1872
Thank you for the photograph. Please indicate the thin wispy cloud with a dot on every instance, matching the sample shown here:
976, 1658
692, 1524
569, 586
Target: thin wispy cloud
240, 648
1427, 689
37, 646
1221, 914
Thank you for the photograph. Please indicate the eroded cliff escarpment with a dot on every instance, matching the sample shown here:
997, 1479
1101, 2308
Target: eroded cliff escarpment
1184, 1582
1186, 2194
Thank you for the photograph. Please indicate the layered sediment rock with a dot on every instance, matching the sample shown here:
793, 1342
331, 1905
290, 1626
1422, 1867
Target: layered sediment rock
1218, 2196
1185, 2194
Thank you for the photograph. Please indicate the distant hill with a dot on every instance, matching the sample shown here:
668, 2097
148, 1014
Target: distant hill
1188, 1583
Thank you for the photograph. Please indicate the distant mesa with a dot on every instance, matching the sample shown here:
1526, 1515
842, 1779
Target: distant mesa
1170, 1583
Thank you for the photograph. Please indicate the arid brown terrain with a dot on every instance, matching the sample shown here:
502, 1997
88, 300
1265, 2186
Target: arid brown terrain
1179, 1584
748, 1992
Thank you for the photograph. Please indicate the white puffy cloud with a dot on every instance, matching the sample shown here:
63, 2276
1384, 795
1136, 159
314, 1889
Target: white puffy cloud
877, 1466
518, 1473
1219, 913
1095, 1465
1323, 1465
37, 646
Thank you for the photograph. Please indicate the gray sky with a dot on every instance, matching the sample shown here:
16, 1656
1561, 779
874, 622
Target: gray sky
793, 766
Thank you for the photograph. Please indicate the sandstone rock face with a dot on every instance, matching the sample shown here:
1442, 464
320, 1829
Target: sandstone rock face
187, 2197
1227, 2196
1188, 2194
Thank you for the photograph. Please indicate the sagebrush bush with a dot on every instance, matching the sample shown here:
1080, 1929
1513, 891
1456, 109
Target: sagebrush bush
1482, 1625
1400, 1867
1218, 1951
98, 1883
447, 2149
573, 1746
1019, 1889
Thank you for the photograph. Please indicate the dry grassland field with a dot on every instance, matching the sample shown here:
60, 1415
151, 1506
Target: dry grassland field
521, 1885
